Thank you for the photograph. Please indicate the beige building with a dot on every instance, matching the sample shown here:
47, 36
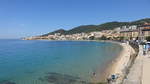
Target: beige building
129, 35
125, 34
135, 34
144, 31
141, 32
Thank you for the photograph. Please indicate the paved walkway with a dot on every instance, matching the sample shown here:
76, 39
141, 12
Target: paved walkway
135, 74
146, 69
140, 71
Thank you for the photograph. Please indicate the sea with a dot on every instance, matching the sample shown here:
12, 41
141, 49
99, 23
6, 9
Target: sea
54, 62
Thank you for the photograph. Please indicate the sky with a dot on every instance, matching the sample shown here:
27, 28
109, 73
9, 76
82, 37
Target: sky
22, 18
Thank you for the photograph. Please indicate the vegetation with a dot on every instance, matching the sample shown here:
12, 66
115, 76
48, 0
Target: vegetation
91, 38
148, 38
103, 38
121, 38
62, 31
105, 26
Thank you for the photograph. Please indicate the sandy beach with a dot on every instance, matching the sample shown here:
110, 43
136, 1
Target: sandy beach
118, 65
122, 61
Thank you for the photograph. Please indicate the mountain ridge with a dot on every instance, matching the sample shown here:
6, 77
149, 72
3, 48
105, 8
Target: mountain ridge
100, 27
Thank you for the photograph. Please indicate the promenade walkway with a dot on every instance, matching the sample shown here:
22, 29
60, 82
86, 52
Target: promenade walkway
135, 74
140, 71
146, 69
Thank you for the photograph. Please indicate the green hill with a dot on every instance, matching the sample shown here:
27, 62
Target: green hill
62, 31
104, 26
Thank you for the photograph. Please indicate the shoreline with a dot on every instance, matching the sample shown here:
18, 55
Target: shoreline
118, 65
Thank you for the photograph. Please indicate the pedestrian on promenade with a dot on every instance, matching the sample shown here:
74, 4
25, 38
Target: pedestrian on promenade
144, 49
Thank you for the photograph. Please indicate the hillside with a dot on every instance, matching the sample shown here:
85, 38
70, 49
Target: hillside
104, 26
62, 31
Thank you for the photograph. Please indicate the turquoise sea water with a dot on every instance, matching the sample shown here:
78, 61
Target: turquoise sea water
53, 62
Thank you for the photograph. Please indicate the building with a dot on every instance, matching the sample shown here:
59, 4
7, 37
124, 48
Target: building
130, 32
133, 32
144, 31
126, 34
